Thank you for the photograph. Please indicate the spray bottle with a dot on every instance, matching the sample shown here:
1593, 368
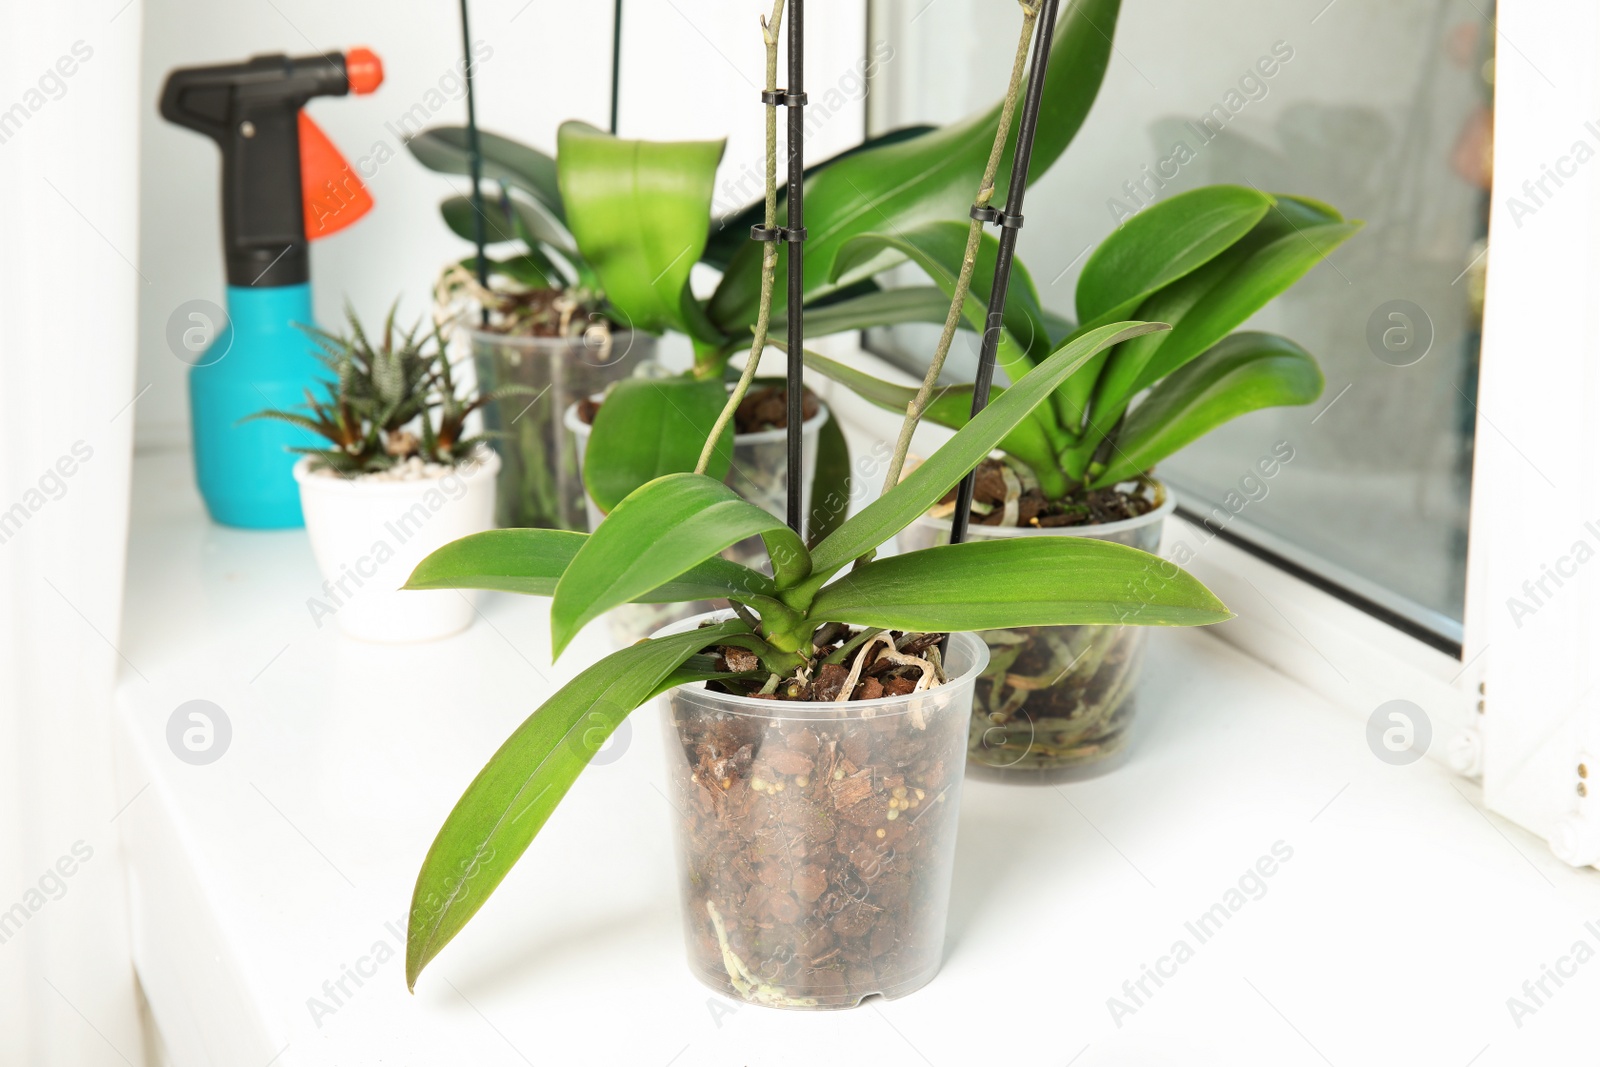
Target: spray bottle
283, 185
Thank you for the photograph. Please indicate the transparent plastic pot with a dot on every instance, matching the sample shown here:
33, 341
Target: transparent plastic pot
759, 475
817, 840
760, 463
1057, 703
541, 483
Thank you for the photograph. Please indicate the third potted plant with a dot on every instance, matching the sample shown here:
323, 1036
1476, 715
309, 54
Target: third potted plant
1058, 701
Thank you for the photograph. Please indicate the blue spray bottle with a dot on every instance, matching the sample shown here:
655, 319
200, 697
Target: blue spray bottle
283, 185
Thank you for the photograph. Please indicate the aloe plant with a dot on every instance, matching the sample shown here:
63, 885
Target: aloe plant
388, 400
661, 544
1203, 261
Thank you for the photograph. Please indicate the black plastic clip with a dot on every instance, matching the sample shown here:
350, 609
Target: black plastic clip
782, 98
779, 233
997, 216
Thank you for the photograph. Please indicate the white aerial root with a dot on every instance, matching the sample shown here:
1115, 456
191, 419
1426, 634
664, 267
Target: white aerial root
861, 661
1013, 496
745, 982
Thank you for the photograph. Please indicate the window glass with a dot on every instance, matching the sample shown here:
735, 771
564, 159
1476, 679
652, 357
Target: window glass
1379, 107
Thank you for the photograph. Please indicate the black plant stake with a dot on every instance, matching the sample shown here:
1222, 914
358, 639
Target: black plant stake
1010, 222
616, 63
475, 164
794, 234
794, 98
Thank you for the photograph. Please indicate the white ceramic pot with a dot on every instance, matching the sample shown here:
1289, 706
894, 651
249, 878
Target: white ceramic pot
368, 535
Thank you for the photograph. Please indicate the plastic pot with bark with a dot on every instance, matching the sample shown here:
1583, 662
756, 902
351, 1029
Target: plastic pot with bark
1056, 702
759, 475
541, 483
816, 840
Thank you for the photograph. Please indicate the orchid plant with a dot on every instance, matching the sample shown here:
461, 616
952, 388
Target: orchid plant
662, 543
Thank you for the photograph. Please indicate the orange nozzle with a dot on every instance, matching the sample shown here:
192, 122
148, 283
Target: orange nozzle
363, 70
333, 196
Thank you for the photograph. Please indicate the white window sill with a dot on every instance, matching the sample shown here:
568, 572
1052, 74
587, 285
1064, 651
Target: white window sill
1395, 934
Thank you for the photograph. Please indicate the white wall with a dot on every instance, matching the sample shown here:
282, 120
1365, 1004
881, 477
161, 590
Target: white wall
692, 69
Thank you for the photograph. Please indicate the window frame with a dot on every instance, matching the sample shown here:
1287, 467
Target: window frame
1542, 718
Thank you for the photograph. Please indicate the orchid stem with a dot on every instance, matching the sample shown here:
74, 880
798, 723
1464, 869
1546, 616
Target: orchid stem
919, 405
769, 253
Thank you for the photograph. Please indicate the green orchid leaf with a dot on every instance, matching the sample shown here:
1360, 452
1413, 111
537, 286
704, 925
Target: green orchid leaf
509, 801
1118, 368
709, 349
648, 427
831, 482
1214, 300
889, 307
938, 248
1122, 373
1029, 442
535, 228
1242, 373
1070, 404
949, 407
461, 218
732, 232
1268, 273
1155, 248
1162, 243
531, 268
526, 223
662, 530
698, 669
923, 487
444, 149
1038, 580
640, 212
895, 187
532, 561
